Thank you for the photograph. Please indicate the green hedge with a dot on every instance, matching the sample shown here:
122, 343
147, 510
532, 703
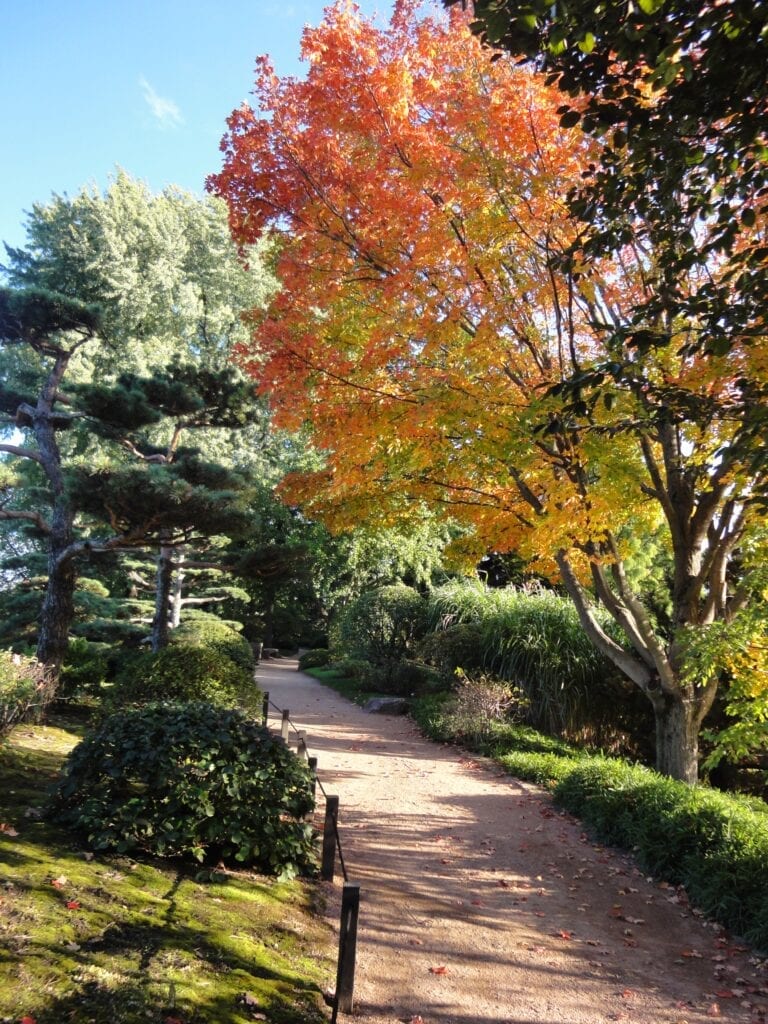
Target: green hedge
714, 844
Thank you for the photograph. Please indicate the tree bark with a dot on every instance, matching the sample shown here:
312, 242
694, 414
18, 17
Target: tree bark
164, 578
177, 590
56, 617
677, 738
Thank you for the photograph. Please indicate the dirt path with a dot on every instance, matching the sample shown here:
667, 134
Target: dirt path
481, 902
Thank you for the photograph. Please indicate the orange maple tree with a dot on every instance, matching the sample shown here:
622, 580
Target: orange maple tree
442, 350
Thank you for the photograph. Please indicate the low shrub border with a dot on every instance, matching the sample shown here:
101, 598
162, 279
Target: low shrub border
712, 843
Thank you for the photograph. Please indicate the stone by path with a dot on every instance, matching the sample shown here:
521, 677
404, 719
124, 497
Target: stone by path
482, 902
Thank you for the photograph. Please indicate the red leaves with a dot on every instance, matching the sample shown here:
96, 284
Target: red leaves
73, 904
442, 969
564, 934
27, 1020
8, 830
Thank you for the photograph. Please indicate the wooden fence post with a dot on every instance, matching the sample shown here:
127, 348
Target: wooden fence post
345, 974
301, 745
285, 725
329, 838
265, 710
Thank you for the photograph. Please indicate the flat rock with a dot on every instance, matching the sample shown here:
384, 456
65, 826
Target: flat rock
387, 706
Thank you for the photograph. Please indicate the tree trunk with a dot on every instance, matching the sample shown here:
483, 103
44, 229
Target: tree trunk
177, 590
56, 617
164, 577
677, 739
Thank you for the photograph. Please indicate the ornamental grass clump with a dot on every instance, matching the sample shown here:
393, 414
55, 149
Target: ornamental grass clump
193, 781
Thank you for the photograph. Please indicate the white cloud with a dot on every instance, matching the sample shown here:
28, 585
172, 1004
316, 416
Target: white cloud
165, 111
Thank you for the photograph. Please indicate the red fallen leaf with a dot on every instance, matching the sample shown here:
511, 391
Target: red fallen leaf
415, 942
692, 953
477, 903
27, 1020
73, 904
8, 830
564, 934
628, 993
438, 970
725, 993
417, 1019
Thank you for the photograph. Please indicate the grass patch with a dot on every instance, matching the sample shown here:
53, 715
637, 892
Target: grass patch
110, 940
337, 679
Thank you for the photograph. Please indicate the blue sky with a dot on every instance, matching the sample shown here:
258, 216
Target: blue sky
86, 85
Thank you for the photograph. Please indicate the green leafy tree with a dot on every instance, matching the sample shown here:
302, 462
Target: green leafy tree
675, 93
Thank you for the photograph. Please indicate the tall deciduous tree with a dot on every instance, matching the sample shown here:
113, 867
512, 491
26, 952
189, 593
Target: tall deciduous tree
425, 334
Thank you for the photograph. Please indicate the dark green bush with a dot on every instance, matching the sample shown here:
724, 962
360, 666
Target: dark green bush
401, 678
314, 659
215, 635
181, 673
714, 844
190, 780
381, 626
459, 646
84, 669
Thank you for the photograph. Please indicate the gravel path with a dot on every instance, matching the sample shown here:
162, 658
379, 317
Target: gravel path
482, 902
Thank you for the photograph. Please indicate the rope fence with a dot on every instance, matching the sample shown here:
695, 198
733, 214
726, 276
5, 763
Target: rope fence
331, 846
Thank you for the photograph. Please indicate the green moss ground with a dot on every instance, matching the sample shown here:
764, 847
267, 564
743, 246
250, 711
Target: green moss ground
108, 940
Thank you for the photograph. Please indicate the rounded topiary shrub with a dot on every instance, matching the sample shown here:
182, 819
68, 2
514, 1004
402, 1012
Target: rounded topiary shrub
189, 780
215, 635
181, 673
314, 659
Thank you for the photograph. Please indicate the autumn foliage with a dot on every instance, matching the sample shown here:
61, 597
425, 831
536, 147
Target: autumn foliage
440, 335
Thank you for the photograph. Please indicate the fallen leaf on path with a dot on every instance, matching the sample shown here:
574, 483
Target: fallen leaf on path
418, 1019
73, 904
439, 970
692, 954
8, 830
564, 934
725, 993
415, 942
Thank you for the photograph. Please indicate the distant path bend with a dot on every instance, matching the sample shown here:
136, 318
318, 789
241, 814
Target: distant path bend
481, 902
